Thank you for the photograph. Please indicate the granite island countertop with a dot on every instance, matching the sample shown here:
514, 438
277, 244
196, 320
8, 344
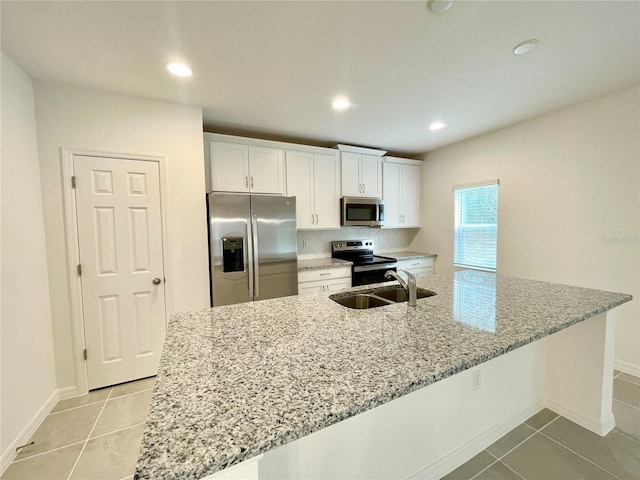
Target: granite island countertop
236, 381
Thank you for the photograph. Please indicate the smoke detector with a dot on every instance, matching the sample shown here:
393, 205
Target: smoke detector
439, 6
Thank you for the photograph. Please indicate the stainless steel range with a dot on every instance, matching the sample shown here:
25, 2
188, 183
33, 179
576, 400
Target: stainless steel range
367, 268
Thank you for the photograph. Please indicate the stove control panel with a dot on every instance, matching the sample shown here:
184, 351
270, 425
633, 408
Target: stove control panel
351, 245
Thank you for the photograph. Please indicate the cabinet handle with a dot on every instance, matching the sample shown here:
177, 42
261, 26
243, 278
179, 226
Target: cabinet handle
316, 219
312, 219
364, 188
246, 181
251, 181
325, 274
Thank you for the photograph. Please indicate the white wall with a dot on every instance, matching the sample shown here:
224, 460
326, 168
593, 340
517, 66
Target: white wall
569, 202
27, 361
83, 119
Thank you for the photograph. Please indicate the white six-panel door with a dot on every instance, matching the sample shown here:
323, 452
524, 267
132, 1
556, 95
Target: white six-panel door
122, 272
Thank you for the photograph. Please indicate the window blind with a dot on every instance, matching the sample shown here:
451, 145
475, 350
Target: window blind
476, 226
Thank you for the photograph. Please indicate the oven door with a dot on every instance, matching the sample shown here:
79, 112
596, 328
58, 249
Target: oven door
367, 274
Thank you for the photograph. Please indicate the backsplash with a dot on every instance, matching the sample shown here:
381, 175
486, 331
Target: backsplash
318, 242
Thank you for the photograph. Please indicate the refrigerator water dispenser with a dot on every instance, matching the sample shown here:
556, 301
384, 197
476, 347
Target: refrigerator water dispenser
233, 254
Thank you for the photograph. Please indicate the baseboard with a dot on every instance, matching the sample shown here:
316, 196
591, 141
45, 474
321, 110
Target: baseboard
627, 367
596, 426
68, 392
467, 451
10, 453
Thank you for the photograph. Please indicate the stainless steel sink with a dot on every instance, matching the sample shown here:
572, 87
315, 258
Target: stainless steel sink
376, 297
359, 300
399, 294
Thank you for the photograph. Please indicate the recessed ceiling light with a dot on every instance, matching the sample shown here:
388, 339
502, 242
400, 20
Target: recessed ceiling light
341, 104
439, 6
437, 125
180, 69
526, 46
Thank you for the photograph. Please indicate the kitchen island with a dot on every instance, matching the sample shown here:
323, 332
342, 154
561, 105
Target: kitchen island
277, 377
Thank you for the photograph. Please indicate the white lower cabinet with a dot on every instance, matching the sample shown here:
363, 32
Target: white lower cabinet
323, 280
418, 267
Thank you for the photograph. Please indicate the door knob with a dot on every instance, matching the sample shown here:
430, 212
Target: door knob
156, 281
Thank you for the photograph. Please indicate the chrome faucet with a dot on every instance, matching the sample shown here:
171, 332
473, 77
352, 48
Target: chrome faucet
409, 285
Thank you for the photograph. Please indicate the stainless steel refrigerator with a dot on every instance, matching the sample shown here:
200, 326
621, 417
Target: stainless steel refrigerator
252, 247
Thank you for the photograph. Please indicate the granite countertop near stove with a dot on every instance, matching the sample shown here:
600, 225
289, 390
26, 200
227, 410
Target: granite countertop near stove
320, 263
236, 381
409, 255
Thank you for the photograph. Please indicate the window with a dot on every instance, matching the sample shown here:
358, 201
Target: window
476, 225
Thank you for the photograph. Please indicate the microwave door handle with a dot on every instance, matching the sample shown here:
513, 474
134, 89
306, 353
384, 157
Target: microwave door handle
256, 261
248, 259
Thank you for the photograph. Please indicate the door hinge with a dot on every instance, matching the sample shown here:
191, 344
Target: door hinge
73, 182
79, 270
84, 354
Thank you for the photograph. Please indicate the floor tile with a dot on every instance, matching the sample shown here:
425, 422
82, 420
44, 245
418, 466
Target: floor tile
498, 471
629, 378
627, 419
123, 412
472, 467
510, 440
615, 453
111, 456
92, 397
626, 392
541, 418
540, 458
54, 465
132, 387
62, 429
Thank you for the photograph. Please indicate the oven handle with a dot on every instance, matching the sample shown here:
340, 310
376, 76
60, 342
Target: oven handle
378, 266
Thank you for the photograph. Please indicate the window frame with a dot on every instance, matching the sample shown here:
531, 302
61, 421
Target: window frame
457, 226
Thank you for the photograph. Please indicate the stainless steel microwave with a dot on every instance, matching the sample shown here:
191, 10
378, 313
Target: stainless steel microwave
361, 212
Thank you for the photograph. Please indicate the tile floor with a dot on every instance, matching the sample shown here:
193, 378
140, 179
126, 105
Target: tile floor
550, 447
97, 436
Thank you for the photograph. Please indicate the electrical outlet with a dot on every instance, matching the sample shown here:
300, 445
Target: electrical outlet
477, 381
305, 243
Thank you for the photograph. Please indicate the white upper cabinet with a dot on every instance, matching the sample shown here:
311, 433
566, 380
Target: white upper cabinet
314, 180
246, 168
401, 192
229, 167
361, 175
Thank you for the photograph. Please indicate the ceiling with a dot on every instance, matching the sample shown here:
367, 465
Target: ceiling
271, 69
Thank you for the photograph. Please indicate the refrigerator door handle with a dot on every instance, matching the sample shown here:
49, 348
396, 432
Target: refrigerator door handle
256, 259
249, 260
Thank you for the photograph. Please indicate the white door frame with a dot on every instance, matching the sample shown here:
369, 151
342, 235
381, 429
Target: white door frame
73, 252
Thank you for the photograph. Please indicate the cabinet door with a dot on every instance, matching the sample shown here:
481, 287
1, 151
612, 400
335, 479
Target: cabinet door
310, 287
229, 167
392, 194
410, 195
266, 170
338, 284
300, 185
327, 191
371, 176
351, 184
